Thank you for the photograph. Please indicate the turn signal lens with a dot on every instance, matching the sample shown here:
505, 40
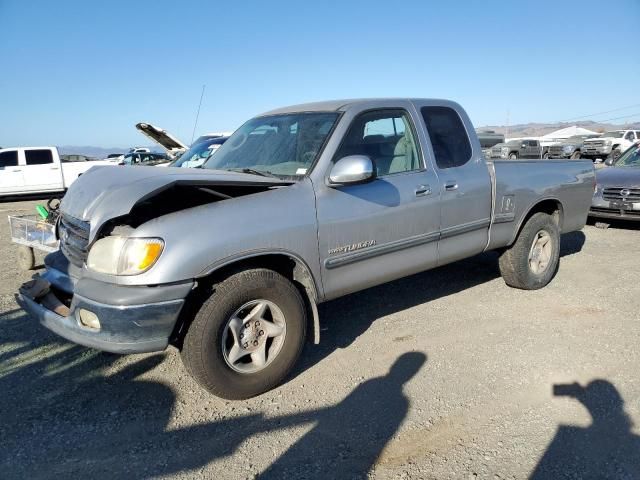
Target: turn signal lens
139, 254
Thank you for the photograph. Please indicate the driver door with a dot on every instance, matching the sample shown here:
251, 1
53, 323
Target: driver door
375, 232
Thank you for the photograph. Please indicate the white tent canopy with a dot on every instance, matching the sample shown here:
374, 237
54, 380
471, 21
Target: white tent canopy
567, 132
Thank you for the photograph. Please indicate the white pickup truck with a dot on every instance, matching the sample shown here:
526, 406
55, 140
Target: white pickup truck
609, 144
29, 170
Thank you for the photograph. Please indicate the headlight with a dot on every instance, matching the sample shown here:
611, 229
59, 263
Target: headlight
124, 256
568, 148
607, 142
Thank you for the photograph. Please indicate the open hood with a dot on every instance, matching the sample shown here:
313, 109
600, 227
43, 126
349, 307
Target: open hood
107, 192
167, 141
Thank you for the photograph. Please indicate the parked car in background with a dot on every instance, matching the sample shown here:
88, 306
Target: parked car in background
569, 148
199, 153
301, 205
488, 139
609, 144
30, 170
149, 159
617, 194
514, 149
174, 147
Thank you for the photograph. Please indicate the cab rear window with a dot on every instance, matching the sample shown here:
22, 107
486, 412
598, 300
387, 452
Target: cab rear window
449, 139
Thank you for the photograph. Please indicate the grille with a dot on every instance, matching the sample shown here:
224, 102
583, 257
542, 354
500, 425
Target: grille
631, 194
556, 150
595, 144
74, 239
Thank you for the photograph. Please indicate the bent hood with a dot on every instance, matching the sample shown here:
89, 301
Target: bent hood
107, 192
618, 177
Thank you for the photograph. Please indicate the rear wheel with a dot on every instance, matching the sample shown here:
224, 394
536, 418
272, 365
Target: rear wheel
247, 336
546, 156
532, 261
575, 155
513, 156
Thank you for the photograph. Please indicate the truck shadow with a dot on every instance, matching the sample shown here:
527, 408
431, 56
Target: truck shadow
605, 449
71, 412
343, 320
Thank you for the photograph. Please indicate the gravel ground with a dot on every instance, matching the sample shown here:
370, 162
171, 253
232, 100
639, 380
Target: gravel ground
446, 374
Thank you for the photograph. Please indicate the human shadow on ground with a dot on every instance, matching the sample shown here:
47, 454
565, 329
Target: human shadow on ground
605, 449
71, 412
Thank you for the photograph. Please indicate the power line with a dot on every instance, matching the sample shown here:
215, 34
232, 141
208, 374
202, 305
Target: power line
600, 113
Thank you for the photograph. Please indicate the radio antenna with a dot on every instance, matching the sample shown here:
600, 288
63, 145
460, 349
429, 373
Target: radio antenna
193, 134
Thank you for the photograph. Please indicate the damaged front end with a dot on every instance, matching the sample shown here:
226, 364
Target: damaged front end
85, 300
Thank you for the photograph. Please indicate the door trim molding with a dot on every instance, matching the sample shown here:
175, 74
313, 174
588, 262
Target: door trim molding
377, 250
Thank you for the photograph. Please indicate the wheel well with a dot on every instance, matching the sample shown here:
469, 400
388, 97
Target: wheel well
550, 207
289, 267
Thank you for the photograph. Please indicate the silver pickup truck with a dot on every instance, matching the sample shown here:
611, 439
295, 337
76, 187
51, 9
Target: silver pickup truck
301, 205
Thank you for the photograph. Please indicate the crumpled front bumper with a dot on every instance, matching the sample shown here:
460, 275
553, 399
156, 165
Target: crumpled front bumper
132, 319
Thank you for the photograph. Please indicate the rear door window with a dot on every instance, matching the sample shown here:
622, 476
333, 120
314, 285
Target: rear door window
448, 136
9, 159
38, 157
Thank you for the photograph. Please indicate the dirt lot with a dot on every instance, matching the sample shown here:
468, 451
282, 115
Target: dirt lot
446, 374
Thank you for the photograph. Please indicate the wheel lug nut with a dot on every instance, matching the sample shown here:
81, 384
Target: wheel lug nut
245, 345
261, 332
257, 323
255, 343
242, 335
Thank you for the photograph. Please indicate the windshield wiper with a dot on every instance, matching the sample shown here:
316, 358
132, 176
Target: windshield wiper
251, 171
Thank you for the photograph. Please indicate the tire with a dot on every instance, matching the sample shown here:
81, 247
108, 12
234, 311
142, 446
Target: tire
26, 258
575, 155
615, 154
210, 339
546, 156
517, 262
513, 156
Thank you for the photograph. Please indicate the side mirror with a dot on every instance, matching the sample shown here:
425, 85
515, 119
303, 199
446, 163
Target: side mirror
609, 162
351, 170
524, 145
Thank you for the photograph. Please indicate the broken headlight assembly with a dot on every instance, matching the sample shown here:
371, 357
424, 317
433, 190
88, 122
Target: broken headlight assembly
124, 256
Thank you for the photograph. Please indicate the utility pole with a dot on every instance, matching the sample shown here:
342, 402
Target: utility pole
506, 130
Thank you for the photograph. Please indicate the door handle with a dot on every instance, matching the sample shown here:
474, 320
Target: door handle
451, 186
422, 190
55, 168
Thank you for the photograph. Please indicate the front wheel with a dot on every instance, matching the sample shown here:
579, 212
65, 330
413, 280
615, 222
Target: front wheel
247, 336
575, 155
513, 156
615, 155
532, 261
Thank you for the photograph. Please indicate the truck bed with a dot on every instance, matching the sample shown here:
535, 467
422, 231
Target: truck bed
519, 184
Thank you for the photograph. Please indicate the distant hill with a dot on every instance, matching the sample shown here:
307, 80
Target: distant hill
98, 152
539, 129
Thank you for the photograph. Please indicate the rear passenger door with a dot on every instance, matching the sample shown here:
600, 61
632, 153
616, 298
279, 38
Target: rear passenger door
465, 183
40, 171
11, 178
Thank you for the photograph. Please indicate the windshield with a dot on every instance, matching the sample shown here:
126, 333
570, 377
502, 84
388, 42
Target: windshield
616, 134
198, 153
631, 158
282, 145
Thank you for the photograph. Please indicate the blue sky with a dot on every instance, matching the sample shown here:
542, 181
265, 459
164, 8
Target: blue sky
83, 73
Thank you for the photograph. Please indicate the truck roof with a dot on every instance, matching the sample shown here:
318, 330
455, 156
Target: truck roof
341, 105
